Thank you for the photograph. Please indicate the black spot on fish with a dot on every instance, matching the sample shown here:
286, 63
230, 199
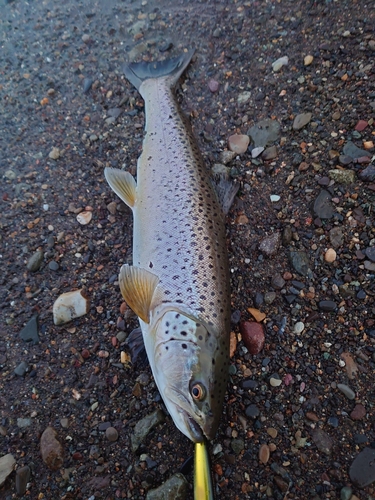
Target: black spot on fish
184, 346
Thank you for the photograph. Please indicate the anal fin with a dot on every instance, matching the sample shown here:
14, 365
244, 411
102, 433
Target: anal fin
137, 286
123, 184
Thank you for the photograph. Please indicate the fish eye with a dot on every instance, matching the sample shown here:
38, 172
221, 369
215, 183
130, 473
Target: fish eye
198, 391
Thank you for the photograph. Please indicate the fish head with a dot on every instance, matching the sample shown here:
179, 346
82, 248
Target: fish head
190, 367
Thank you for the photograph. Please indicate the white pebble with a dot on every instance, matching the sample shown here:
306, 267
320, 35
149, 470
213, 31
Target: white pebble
84, 217
274, 198
256, 151
299, 327
45, 207
279, 63
70, 305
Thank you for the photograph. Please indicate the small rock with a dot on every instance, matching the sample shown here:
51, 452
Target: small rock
322, 205
347, 391
264, 453
86, 38
264, 132
322, 441
300, 262
345, 160
271, 431
269, 297
252, 411
361, 125
35, 261
175, 488
257, 151
7, 463
252, 336
350, 149
299, 327
84, 217
346, 493
336, 115
23, 422
362, 470
342, 176
308, 60
370, 253
270, 244
87, 84
213, 85
53, 265
301, 120
22, 478
21, 369
238, 143
327, 305
350, 365
269, 153
277, 282
144, 426
69, 306
29, 333
243, 97
358, 413
274, 198
111, 434
336, 237
256, 314
275, 381
279, 63
237, 445
330, 255
54, 154
227, 156
51, 449
112, 208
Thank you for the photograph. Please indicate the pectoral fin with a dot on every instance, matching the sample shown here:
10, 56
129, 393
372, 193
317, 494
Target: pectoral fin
137, 287
123, 184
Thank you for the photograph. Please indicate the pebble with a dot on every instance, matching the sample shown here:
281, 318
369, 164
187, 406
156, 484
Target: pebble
238, 143
53, 265
350, 149
322, 441
243, 97
279, 63
370, 253
361, 125
358, 412
269, 297
144, 426
54, 154
257, 151
300, 262
84, 217
252, 336
70, 305
347, 391
274, 198
299, 327
277, 282
308, 60
249, 384
322, 205
23, 422
350, 365
29, 333
21, 369
342, 176
86, 38
264, 132
252, 411
346, 493
51, 449
7, 463
176, 487
213, 85
270, 244
362, 470
227, 156
275, 381
237, 445
264, 453
22, 478
87, 84
35, 261
330, 255
327, 305
270, 153
111, 434
259, 316
336, 237
301, 120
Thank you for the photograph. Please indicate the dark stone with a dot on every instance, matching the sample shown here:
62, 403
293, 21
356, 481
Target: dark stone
370, 253
53, 265
322, 205
368, 174
300, 262
362, 470
22, 478
350, 149
252, 411
29, 333
327, 305
87, 83
248, 383
277, 282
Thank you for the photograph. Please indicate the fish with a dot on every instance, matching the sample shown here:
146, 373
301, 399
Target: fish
178, 284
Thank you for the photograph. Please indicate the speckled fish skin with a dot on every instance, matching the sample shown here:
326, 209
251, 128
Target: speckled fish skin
179, 237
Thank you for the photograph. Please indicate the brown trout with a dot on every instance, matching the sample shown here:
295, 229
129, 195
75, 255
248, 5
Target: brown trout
178, 284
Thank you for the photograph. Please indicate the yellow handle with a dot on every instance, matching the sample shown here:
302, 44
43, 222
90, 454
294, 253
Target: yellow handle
203, 489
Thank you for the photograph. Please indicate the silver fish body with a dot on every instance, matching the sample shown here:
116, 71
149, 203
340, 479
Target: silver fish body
179, 282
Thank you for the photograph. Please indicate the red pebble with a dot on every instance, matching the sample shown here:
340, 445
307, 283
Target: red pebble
252, 336
358, 413
213, 85
85, 353
361, 125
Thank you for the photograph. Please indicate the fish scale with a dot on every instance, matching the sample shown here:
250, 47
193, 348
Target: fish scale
179, 282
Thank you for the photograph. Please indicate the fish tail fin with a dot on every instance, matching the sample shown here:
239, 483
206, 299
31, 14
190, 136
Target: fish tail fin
170, 69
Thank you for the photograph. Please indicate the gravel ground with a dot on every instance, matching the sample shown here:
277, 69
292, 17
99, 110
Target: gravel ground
300, 410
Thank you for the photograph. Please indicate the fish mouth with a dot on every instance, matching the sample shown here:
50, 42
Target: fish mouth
196, 432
